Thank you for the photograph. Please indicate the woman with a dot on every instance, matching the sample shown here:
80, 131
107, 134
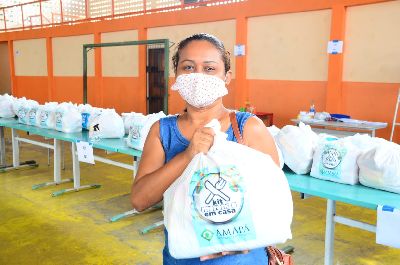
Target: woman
174, 141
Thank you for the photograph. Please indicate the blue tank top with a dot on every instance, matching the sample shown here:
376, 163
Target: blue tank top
173, 143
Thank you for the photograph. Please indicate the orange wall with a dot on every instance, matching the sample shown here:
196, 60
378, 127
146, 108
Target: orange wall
286, 98
126, 91
32, 87
372, 101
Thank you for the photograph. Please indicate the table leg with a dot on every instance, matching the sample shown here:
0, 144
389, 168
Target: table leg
133, 211
15, 147
373, 133
57, 168
329, 231
76, 174
2, 148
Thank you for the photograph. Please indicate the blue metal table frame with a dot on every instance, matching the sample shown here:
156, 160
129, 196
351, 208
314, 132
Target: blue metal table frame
357, 195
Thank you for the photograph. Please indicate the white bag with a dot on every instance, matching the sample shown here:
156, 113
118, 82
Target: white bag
297, 144
68, 118
24, 109
380, 167
233, 198
107, 125
140, 128
6, 106
273, 130
32, 115
128, 119
336, 160
17, 104
88, 114
46, 115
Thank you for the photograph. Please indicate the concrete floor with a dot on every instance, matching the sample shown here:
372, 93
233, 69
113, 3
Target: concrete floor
36, 228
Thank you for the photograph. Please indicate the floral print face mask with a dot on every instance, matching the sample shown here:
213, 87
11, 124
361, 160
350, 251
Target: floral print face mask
200, 90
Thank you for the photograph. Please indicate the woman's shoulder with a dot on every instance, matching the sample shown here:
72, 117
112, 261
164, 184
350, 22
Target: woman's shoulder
242, 118
170, 119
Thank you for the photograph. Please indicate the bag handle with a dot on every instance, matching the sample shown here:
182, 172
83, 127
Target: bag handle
235, 127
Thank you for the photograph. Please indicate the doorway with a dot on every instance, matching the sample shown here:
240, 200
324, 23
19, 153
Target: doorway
5, 75
156, 87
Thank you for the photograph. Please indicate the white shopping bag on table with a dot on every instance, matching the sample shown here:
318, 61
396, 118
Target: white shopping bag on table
6, 106
107, 125
139, 128
232, 198
297, 144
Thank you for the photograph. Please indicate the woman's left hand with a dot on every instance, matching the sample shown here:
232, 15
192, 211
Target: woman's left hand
224, 253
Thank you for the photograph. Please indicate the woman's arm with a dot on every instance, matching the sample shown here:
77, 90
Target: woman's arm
153, 177
257, 136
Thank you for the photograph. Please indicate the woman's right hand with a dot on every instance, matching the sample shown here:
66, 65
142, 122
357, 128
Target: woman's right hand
202, 141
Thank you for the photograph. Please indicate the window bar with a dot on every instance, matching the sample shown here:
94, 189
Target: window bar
22, 14
41, 16
5, 22
61, 12
86, 9
112, 8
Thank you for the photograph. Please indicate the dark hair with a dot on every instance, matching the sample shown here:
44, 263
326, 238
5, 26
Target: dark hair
206, 37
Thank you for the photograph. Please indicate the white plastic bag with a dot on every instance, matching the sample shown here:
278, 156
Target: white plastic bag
139, 128
129, 118
24, 109
32, 115
273, 130
46, 115
6, 106
336, 160
233, 198
380, 167
67, 118
107, 125
297, 144
17, 104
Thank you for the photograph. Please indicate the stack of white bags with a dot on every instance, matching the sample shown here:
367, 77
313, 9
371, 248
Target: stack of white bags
138, 127
6, 106
371, 161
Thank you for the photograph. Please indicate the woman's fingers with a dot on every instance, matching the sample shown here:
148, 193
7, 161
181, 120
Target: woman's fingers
202, 141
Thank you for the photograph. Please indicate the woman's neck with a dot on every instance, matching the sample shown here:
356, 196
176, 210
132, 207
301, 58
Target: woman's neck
201, 117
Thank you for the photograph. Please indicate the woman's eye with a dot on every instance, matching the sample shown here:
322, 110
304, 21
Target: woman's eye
188, 67
209, 69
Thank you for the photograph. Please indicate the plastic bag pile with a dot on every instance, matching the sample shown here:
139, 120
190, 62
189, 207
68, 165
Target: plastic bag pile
371, 161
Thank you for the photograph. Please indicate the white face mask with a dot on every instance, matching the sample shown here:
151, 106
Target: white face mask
200, 90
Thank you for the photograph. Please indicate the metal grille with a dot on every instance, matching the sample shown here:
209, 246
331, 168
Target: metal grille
74, 10
26, 14
100, 8
31, 14
51, 12
128, 6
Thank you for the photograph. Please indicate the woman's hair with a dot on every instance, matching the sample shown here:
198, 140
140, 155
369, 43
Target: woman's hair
206, 37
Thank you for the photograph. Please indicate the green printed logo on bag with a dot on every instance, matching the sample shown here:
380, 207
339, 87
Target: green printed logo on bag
331, 158
32, 116
59, 117
135, 134
219, 211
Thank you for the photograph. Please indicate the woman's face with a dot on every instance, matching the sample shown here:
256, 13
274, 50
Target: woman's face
201, 56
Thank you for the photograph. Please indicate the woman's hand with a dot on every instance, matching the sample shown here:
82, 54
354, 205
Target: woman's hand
202, 141
224, 253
